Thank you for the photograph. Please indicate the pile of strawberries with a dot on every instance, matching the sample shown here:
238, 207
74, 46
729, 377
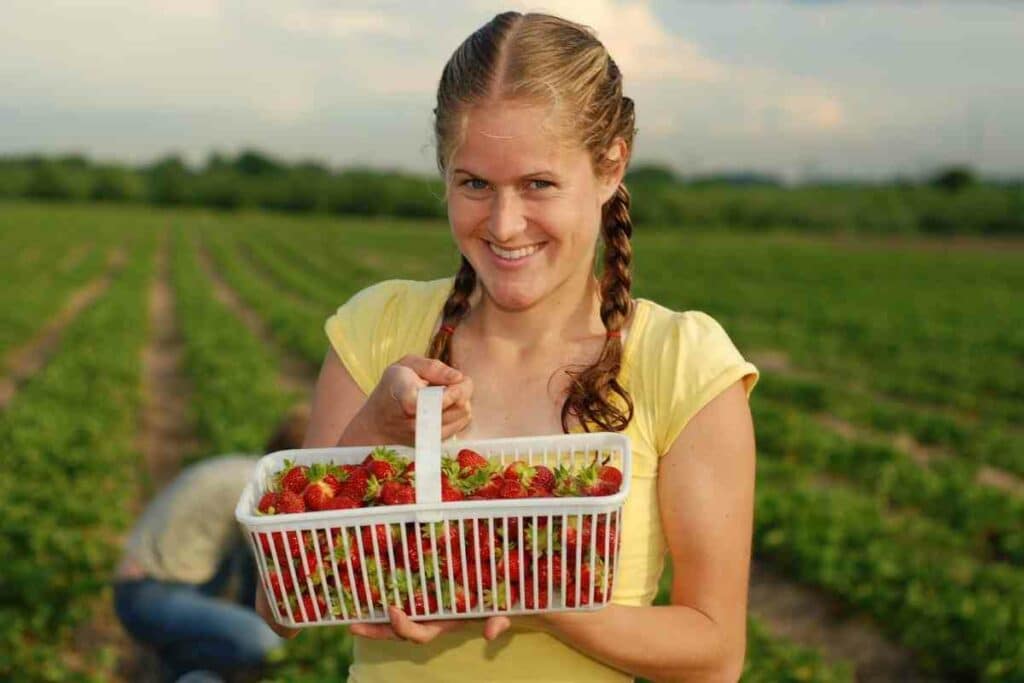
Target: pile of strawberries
386, 478
457, 566
339, 572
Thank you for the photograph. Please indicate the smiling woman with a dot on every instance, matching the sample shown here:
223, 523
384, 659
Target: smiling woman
533, 139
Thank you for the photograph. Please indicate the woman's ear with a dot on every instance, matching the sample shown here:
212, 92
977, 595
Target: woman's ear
618, 153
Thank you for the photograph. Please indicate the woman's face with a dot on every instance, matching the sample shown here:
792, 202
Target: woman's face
524, 210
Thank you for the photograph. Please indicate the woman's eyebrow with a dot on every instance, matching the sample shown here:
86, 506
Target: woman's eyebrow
523, 177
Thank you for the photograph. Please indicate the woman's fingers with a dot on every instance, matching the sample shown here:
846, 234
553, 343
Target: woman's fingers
432, 370
263, 609
459, 393
374, 631
495, 626
455, 426
417, 632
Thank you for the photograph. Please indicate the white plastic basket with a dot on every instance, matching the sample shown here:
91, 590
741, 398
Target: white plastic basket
332, 567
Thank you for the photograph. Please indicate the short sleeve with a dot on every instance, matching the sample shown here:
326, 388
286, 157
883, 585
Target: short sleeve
698, 362
358, 331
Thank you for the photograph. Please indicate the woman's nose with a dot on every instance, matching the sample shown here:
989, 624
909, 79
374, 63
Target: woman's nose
507, 218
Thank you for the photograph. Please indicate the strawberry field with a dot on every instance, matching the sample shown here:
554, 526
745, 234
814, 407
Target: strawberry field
889, 419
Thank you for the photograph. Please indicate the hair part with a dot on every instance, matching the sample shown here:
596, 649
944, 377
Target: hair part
538, 58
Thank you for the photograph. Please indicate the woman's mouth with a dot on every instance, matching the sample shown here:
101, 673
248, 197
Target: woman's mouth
517, 254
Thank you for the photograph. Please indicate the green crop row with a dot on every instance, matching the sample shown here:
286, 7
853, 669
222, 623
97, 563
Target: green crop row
236, 402
68, 438
989, 519
964, 618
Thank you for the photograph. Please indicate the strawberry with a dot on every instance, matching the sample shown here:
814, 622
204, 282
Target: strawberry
565, 483
384, 534
267, 502
459, 600
294, 545
342, 502
470, 461
492, 489
396, 493
513, 488
554, 571
450, 494
345, 559
478, 575
543, 477
310, 569
509, 566
385, 463
281, 583
606, 534
421, 603
289, 502
539, 600
570, 595
611, 476
356, 483
502, 597
313, 607
292, 478
322, 486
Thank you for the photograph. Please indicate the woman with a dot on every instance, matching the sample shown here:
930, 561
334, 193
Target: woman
533, 139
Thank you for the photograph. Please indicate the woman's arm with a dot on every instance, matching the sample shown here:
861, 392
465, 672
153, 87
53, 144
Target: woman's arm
706, 498
336, 400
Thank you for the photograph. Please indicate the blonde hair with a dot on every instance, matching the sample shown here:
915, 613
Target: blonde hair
532, 58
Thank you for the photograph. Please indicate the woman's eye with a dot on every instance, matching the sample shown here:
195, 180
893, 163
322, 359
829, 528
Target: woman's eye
472, 186
542, 184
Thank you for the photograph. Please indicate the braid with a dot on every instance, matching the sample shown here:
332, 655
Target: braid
592, 390
455, 309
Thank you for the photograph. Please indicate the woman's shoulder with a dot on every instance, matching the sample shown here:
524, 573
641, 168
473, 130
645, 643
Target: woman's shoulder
662, 324
386, 293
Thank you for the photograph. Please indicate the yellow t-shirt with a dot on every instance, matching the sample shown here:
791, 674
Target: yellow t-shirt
673, 364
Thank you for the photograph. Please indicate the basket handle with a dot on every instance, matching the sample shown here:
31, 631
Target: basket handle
428, 451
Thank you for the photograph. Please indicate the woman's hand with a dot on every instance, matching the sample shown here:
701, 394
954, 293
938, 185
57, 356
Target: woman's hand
263, 609
389, 413
402, 627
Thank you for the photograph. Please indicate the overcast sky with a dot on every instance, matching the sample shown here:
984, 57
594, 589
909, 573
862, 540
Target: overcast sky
841, 88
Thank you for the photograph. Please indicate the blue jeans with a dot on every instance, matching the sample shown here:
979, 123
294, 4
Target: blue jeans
191, 628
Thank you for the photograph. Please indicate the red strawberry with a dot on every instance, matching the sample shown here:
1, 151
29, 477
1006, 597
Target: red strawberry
342, 502
312, 606
450, 494
464, 601
606, 534
267, 502
294, 478
611, 476
538, 601
484, 580
289, 502
294, 546
397, 493
502, 598
555, 571
492, 489
311, 569
281, 583
356, 483
345, 559
543, 478
384, 535
513, 488
385, 463
470, 461
570, 595
421, 604
509, 566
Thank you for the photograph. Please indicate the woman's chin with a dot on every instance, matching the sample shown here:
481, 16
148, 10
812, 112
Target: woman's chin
512, 298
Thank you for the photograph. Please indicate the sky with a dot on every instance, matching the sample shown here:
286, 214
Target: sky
800, 89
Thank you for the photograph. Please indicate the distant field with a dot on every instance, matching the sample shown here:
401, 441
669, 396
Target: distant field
890, 499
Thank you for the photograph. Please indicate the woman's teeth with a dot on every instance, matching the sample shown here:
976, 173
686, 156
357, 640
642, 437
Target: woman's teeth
513, 254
